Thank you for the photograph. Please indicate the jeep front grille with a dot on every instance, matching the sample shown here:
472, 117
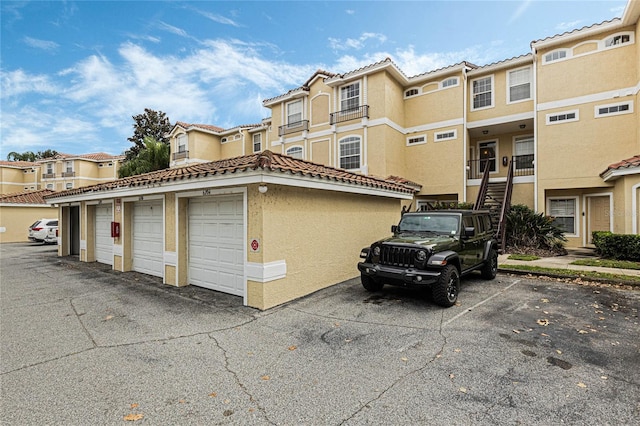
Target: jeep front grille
397, 256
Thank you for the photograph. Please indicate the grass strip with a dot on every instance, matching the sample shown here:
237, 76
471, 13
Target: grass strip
608, 263
570, 273
526, 257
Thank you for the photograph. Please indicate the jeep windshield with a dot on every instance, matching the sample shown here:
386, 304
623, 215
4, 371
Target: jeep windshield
430, 224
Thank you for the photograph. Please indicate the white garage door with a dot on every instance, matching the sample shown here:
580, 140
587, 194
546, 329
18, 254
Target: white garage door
216, 242
147, 232
104, 242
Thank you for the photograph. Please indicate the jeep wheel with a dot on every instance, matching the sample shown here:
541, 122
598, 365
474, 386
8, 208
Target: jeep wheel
370, 284
490, 267
445, 291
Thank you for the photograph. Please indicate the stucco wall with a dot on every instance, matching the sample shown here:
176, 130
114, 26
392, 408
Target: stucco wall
16, 221
319, 234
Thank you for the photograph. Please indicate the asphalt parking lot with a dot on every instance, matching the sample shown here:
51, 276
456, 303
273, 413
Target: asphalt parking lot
81, 344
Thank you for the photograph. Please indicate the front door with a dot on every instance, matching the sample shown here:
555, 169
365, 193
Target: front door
599, 216
487, 151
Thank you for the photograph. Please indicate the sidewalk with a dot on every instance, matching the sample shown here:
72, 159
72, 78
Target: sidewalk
564, 262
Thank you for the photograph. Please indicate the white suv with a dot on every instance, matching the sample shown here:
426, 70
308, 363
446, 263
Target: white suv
44, 230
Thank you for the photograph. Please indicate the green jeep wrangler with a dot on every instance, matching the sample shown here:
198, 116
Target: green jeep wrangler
432, 249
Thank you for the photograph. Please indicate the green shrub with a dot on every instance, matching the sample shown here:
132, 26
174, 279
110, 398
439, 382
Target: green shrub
617, 246
452, 205
526, 228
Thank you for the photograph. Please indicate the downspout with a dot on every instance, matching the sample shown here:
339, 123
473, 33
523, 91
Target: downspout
464, 134
535, 130
634, 208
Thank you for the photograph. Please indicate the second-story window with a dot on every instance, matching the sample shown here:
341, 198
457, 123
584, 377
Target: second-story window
49, 168
257, 142
294, 113
349, 149
181, 142
483, 92
69, 167
295, 152
350, 97
519, 84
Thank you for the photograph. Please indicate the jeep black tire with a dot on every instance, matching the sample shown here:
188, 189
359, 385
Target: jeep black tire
371, 284
490, 267
446, 289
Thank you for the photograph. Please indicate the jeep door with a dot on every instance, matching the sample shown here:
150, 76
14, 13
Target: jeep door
471, 246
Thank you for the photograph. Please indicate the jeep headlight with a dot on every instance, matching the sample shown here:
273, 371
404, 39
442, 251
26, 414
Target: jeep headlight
376, 251
421, 255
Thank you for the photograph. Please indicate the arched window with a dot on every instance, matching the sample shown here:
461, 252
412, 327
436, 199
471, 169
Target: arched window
349, 149
295, 152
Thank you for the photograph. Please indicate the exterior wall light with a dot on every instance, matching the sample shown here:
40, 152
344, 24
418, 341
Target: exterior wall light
262, 189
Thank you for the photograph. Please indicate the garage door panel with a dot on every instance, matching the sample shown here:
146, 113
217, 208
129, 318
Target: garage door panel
147, 238
216, 241
103, 241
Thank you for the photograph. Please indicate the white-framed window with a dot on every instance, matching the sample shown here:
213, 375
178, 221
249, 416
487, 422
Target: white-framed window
257, 142
237, 136
349, 149
563, 117
181, 142
449, 82
49, 168
482, 93
110, 165
294, 113
563, 210
556, 55
68, 185
350, 97
446, 135
523, 152
295, 152
618, 39
68, 165
613, 109
519, 84
416, 140
487, 154
49, 186
101, 165
411, 92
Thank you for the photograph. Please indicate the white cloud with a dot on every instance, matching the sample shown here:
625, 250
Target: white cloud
356, 43
16, 83
566, 26
41, 44
219, 18
174, 30
350, 12
519, 11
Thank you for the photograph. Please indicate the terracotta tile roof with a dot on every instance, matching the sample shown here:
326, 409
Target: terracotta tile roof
438, 70
266, 160
30, 197
19, 164
575, 31
200, 126
624, 164
506, 61
405, 182
95, 156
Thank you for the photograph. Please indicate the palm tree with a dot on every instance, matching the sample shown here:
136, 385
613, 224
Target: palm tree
154, 156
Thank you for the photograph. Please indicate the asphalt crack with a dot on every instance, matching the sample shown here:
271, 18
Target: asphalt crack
241, 385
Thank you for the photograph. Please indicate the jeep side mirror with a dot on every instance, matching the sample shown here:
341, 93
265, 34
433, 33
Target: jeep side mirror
394, 228
469, 231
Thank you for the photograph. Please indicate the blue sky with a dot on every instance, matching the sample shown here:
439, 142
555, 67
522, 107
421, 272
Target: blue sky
73, 73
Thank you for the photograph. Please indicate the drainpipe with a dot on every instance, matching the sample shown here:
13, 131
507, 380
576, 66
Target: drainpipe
634, 208
535, 130
464, 134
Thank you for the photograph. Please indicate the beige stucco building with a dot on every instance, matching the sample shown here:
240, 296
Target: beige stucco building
20, 210
279, 209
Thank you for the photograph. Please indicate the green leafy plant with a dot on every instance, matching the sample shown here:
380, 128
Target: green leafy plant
528, 229
526, 257
617, 246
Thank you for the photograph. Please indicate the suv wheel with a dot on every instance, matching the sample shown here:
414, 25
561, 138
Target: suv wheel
370, 284
490, 267
445, 291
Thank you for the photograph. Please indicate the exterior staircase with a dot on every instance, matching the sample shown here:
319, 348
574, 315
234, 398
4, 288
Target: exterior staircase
496, 197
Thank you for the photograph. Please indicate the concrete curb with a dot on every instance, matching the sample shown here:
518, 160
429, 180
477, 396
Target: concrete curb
571, 274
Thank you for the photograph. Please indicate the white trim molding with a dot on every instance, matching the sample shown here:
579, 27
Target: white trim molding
265, 272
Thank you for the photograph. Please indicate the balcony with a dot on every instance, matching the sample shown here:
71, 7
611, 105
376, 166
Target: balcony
180, 155
522, 166
68, 174
48, 175
294, 127
349, 114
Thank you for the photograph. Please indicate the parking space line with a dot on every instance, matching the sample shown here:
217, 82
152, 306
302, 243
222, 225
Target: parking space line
480, 303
